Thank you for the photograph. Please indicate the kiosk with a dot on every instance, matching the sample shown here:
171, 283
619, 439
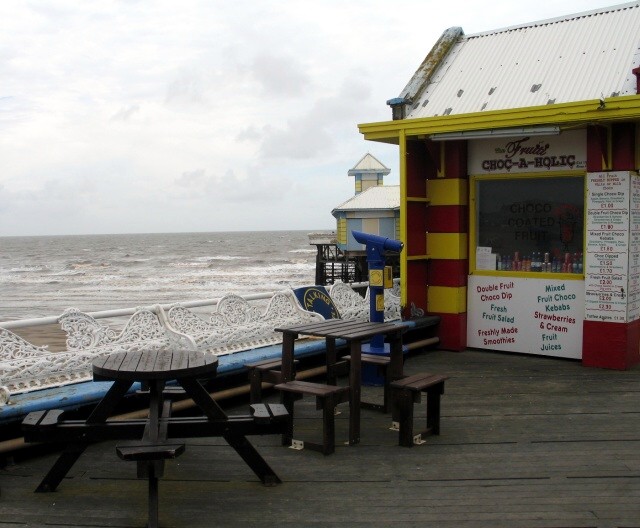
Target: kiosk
520, 196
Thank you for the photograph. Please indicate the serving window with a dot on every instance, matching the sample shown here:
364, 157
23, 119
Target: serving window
529, 224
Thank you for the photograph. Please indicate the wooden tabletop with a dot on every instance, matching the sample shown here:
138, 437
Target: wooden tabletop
154, 365
341, 329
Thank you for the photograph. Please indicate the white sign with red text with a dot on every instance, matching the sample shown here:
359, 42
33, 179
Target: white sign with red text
531, 316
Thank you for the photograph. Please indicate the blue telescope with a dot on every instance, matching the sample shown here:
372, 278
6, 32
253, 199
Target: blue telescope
377, 246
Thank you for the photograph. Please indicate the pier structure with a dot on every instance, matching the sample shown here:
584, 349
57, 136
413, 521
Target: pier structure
373, 209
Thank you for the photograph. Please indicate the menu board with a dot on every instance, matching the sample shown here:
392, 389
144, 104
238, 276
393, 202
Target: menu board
633, 300
607, 246
533, 316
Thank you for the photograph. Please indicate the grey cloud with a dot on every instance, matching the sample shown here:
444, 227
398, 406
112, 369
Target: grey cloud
303, 138
124, 114
314, 132
189, 178
249, 134
226, 188
187, 87
279, 76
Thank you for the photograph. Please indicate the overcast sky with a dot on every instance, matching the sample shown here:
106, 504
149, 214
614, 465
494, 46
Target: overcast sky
207, 115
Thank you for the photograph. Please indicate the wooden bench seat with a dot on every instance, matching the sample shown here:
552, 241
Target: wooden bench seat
150, 459
265, 371
327, 398
39, 420
146, 452
404, 393
269, 413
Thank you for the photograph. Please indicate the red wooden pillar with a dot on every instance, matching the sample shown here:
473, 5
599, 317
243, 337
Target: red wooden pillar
607, 344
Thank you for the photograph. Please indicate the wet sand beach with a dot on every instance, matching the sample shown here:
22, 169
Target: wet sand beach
50, 335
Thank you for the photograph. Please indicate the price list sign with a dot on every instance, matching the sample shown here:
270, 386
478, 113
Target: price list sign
634, 251
607, 250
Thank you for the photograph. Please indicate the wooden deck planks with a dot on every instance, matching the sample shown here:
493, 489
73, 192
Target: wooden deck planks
525, 442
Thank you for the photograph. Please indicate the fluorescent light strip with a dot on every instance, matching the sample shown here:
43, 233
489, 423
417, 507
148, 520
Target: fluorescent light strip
497, 132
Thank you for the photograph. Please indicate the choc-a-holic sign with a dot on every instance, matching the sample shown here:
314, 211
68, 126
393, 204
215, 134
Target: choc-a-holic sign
521, 154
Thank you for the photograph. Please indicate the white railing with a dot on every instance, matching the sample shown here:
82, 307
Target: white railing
233, 326
123, 312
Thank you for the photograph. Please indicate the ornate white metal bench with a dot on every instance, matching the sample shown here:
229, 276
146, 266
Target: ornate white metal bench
235, 325
352, 305
144, 330
25, 367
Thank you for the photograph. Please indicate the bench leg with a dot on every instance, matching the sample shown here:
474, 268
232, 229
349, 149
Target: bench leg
403, 410
153, 499
433, 410
255, 381
288, 401
385, 394
328, 406
328, 426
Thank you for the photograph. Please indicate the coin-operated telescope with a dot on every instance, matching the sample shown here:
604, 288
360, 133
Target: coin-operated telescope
380, 277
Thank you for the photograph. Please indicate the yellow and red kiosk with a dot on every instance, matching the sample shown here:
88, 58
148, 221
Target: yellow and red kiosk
519, 152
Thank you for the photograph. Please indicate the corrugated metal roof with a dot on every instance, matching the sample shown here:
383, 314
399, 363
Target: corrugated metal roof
369, 163
573, 58
380, 197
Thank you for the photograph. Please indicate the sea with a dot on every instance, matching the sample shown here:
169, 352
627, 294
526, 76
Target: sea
43, 275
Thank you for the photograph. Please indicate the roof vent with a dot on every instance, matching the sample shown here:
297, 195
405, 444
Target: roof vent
535, 88
636, 72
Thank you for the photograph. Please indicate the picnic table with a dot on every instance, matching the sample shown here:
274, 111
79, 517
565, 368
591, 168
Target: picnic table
355, 333
155, 369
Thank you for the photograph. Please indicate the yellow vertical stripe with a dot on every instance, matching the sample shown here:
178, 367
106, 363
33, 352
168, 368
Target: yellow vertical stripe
444, 299
447, 246
451, 191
